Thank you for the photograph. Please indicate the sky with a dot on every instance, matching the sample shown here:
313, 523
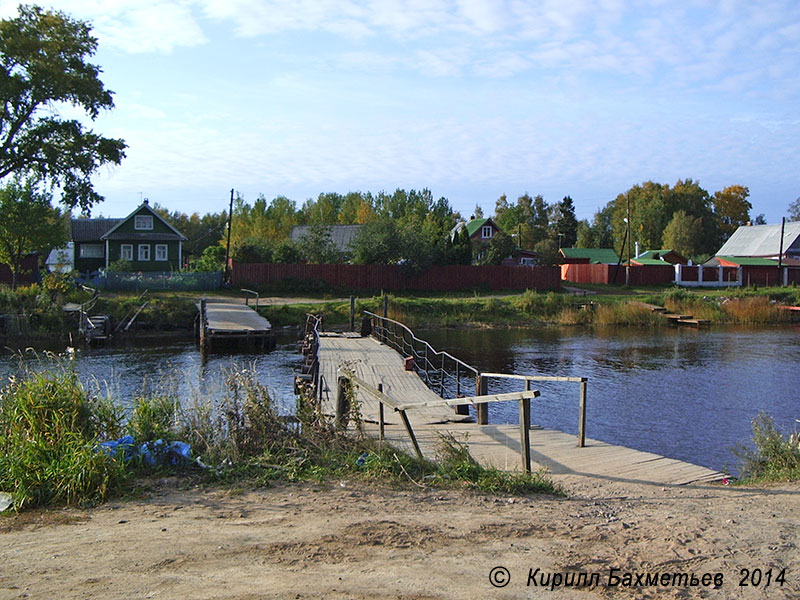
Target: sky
471, 99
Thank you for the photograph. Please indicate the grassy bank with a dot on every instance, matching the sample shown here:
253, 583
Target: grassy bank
622, 308
51, 428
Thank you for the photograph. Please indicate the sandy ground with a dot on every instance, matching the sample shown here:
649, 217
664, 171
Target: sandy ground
344, 540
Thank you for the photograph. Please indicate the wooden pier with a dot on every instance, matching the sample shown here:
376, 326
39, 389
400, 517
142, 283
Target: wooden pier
378, 368
228, 325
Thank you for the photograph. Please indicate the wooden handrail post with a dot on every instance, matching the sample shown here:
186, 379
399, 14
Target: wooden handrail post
381, 421
410, 431
342, 403
525, 434
352, 313
482, 409
582, 416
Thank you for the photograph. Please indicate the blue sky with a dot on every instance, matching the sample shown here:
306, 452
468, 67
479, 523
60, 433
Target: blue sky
469, 98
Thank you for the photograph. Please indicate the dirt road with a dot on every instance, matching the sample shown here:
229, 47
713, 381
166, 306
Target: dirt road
341, 540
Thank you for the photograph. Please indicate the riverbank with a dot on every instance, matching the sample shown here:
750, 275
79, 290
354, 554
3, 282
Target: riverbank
345, 540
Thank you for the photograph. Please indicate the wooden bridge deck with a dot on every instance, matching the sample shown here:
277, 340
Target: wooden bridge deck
229, 317
491, 445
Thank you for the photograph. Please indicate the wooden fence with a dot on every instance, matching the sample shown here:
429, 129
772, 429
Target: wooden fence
392, 278
605, 274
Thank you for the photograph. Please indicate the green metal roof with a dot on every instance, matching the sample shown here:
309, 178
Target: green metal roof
595, 255
652, 254
750, 261
474, 225
642, 260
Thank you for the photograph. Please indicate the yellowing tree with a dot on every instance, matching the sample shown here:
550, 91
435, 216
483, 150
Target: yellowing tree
732, 208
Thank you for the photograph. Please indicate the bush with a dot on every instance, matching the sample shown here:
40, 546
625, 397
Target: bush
775, 458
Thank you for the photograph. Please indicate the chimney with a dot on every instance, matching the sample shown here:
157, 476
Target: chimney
146, 201
637, 250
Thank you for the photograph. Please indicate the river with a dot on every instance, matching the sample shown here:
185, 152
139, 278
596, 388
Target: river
682, 393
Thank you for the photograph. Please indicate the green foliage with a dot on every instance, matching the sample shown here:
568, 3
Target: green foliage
683, 234
318, 248
43, 58
287, 252
212, 259
153, 418
253, 250
539, 304
27, 222
776, 457
793, 211
120, 266
500, 247
49, 429
566, 224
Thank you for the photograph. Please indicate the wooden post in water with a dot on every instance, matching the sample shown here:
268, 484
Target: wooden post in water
381, 421
342, 403
582, 416
352, 313
385, 306
482, 408
525, 431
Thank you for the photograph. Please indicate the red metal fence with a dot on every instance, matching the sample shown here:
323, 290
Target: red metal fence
392, 278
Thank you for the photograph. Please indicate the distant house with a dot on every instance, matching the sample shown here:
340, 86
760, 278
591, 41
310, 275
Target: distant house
342, 236
61, 260
763, 241
481, 232
593, 256
142, 238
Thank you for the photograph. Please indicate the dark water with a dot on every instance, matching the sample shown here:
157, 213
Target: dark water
682, 393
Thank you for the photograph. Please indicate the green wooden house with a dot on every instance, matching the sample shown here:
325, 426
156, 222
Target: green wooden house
142, 238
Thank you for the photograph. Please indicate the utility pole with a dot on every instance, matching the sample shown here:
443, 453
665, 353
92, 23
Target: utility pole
628, 247
228, 248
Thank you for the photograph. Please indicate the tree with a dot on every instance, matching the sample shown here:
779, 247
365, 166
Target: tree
684, 234
567, 224
794, 210
732, 209
43, 65
28, 222
378, 242
500, 247
318, 248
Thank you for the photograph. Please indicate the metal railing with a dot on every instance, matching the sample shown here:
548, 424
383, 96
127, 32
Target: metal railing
247, 297
442, 372
309, 372
438, 369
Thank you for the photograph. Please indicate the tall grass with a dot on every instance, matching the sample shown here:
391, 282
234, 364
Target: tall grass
625, 314
49, 429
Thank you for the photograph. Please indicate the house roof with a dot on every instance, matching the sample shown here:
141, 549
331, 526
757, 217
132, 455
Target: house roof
342, 236
761, 240
476, 224
595, 255
175, 235
91, 230
749, 261
660, 254
641, 260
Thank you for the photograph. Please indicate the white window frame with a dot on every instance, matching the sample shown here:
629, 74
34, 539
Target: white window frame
126, 252
92, 251
144, 252
162, 252
143, 222
486, 232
